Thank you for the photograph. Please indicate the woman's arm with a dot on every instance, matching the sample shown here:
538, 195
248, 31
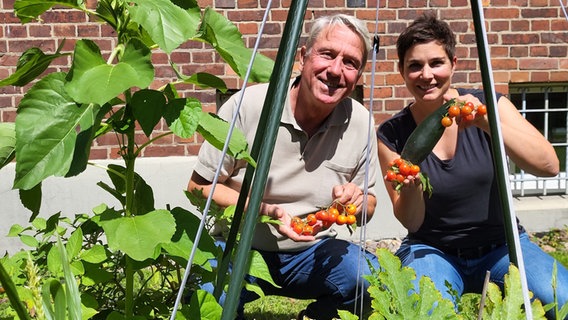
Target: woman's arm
524, 144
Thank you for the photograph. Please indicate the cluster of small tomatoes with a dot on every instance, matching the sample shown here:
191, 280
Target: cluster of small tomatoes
400, 169
465, 110
336, 213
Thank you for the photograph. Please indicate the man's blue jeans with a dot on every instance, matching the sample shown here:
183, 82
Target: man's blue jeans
330, 272
467, 275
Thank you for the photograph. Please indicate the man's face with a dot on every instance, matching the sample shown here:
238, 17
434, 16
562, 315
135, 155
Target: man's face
331, 68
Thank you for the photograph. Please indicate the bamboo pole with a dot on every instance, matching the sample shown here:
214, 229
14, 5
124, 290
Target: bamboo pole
499, 156
264, 146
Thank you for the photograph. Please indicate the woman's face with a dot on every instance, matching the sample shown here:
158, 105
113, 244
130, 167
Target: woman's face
427, 71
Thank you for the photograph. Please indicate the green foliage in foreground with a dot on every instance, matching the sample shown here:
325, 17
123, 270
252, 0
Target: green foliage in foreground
389, 302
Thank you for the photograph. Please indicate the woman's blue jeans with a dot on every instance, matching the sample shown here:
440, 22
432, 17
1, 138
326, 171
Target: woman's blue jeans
330, 272
467, 275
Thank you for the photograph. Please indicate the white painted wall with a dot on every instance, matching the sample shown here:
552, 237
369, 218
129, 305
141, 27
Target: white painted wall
169, 176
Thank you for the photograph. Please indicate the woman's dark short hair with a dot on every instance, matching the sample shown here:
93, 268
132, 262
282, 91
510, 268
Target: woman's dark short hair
424, 29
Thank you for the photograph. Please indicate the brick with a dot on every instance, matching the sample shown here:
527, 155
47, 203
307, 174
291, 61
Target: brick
229, 4
520, 26
64, 30
538, 13
538, 51
517, 39
40, 31
538, 64
558, 51
13, 31
519, 51
247, 4
539, 76
163, 151
499, 26
88, 31
99, 153
8, 115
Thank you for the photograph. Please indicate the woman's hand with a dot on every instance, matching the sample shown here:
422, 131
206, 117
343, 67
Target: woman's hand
477, 119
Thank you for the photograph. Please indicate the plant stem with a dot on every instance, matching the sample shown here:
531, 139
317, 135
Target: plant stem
129, 159
137, 153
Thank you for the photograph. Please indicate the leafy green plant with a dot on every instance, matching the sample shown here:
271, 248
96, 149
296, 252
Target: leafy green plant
128, 260
394, 296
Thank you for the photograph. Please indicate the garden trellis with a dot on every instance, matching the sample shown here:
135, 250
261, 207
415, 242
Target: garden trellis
263, 145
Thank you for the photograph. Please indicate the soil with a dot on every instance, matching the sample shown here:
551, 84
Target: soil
550, 241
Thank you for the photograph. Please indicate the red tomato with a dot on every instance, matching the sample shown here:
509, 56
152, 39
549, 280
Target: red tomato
465, 110
341, 219
414, 169
308, 230
391, 175
482, 110
298, 228
311, 219
446, 121
453, 111
399, 178
333, 214
351, 209
404, 169
322, 215
351, 219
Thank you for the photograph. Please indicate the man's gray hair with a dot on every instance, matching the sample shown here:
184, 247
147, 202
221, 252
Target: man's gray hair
356, 25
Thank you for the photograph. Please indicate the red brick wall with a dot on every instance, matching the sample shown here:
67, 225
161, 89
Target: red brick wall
528, 42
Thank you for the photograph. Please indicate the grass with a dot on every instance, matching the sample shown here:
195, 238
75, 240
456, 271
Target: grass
555, 242
275, 308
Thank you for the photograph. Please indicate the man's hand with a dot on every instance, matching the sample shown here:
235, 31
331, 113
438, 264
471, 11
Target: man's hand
348, 193
285, 228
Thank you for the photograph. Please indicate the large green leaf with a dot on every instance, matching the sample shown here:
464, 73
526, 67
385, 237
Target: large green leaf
184, 239
7, 143
259, 269
168, 24
203, 306
215, 129
139, 236
31, 199
32, 63
46, 129
27, 10
91, 80
148, 106
202, 79
183, 119
224, 36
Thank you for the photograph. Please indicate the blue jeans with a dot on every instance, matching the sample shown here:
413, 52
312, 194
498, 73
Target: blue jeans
327, 272
467, 275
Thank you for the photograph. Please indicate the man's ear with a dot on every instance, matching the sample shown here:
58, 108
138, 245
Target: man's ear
302, 55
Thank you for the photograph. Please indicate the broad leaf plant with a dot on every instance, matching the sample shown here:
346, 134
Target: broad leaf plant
127, 261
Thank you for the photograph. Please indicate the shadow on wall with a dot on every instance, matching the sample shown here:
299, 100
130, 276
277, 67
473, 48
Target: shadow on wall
168, 178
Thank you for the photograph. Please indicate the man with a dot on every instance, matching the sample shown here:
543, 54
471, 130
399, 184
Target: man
319, 159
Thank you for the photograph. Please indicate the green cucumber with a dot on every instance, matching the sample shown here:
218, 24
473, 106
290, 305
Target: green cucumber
423, 139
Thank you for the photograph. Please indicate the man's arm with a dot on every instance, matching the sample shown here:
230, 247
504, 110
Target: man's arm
225, 196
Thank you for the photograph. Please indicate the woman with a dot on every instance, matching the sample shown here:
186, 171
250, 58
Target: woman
458, 233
